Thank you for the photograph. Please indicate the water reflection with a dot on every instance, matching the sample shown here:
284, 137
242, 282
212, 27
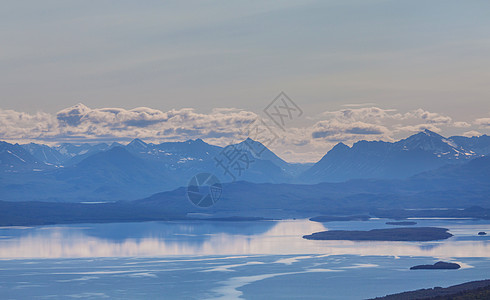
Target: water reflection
209, 238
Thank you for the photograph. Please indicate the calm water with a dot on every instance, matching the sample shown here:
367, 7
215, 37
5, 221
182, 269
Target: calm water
256, 260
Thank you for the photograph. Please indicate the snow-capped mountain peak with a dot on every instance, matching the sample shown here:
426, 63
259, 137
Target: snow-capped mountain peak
438, 145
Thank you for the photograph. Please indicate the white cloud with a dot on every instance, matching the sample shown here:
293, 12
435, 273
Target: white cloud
352, 124
472, 133
358, 104
484, 122
225, 125
418, 128
20, 125
461, 124
374, 123
381, 115
81, 122
335, 130
428, 117
149, 123
371, 114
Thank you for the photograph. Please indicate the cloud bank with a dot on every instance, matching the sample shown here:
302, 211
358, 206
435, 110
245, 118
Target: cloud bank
221, 126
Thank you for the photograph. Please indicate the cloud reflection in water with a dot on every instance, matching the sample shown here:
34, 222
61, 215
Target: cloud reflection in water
282, 237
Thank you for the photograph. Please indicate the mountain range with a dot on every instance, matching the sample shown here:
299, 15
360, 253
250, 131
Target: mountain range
103, 172
418, 153
454, 191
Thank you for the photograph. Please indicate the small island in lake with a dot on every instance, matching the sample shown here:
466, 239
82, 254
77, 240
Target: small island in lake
408, 234
440, 265
402, 223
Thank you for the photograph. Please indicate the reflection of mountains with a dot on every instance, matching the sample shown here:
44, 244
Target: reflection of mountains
148, 239
429, 247
202, 238
118, 232
178, 230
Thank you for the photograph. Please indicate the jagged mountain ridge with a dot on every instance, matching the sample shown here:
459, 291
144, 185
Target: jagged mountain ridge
128, 172
15, 158
420, 152
93, 172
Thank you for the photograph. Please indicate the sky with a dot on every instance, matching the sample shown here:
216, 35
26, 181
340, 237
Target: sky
177, 70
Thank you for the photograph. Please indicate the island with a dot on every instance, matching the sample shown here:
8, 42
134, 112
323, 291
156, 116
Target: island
440, 265
402, 223
410, 234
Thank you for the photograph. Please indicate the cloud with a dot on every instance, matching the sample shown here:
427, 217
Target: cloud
374, 123
380, 115
483, 122
222, 126
20, 125
150, 123
358, 104
80, 115
335, 130
418, 128
79, 122
368, 114
428, 117
355, 123
461, 124
472, 133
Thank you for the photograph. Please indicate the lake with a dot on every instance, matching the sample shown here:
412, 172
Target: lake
209, 260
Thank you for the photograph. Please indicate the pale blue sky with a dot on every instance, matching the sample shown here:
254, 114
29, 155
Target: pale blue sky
206, 54
403, 55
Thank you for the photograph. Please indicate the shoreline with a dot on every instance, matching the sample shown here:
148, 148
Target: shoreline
474, 289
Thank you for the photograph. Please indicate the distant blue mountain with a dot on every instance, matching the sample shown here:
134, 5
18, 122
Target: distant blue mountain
260, 152
116, 174
439, 146
451, 187
185, 159
106, 173
421, 152
478, 144
470, 176
174, 154
65, 154
99, 172
46, 154
14, 158
75, 153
